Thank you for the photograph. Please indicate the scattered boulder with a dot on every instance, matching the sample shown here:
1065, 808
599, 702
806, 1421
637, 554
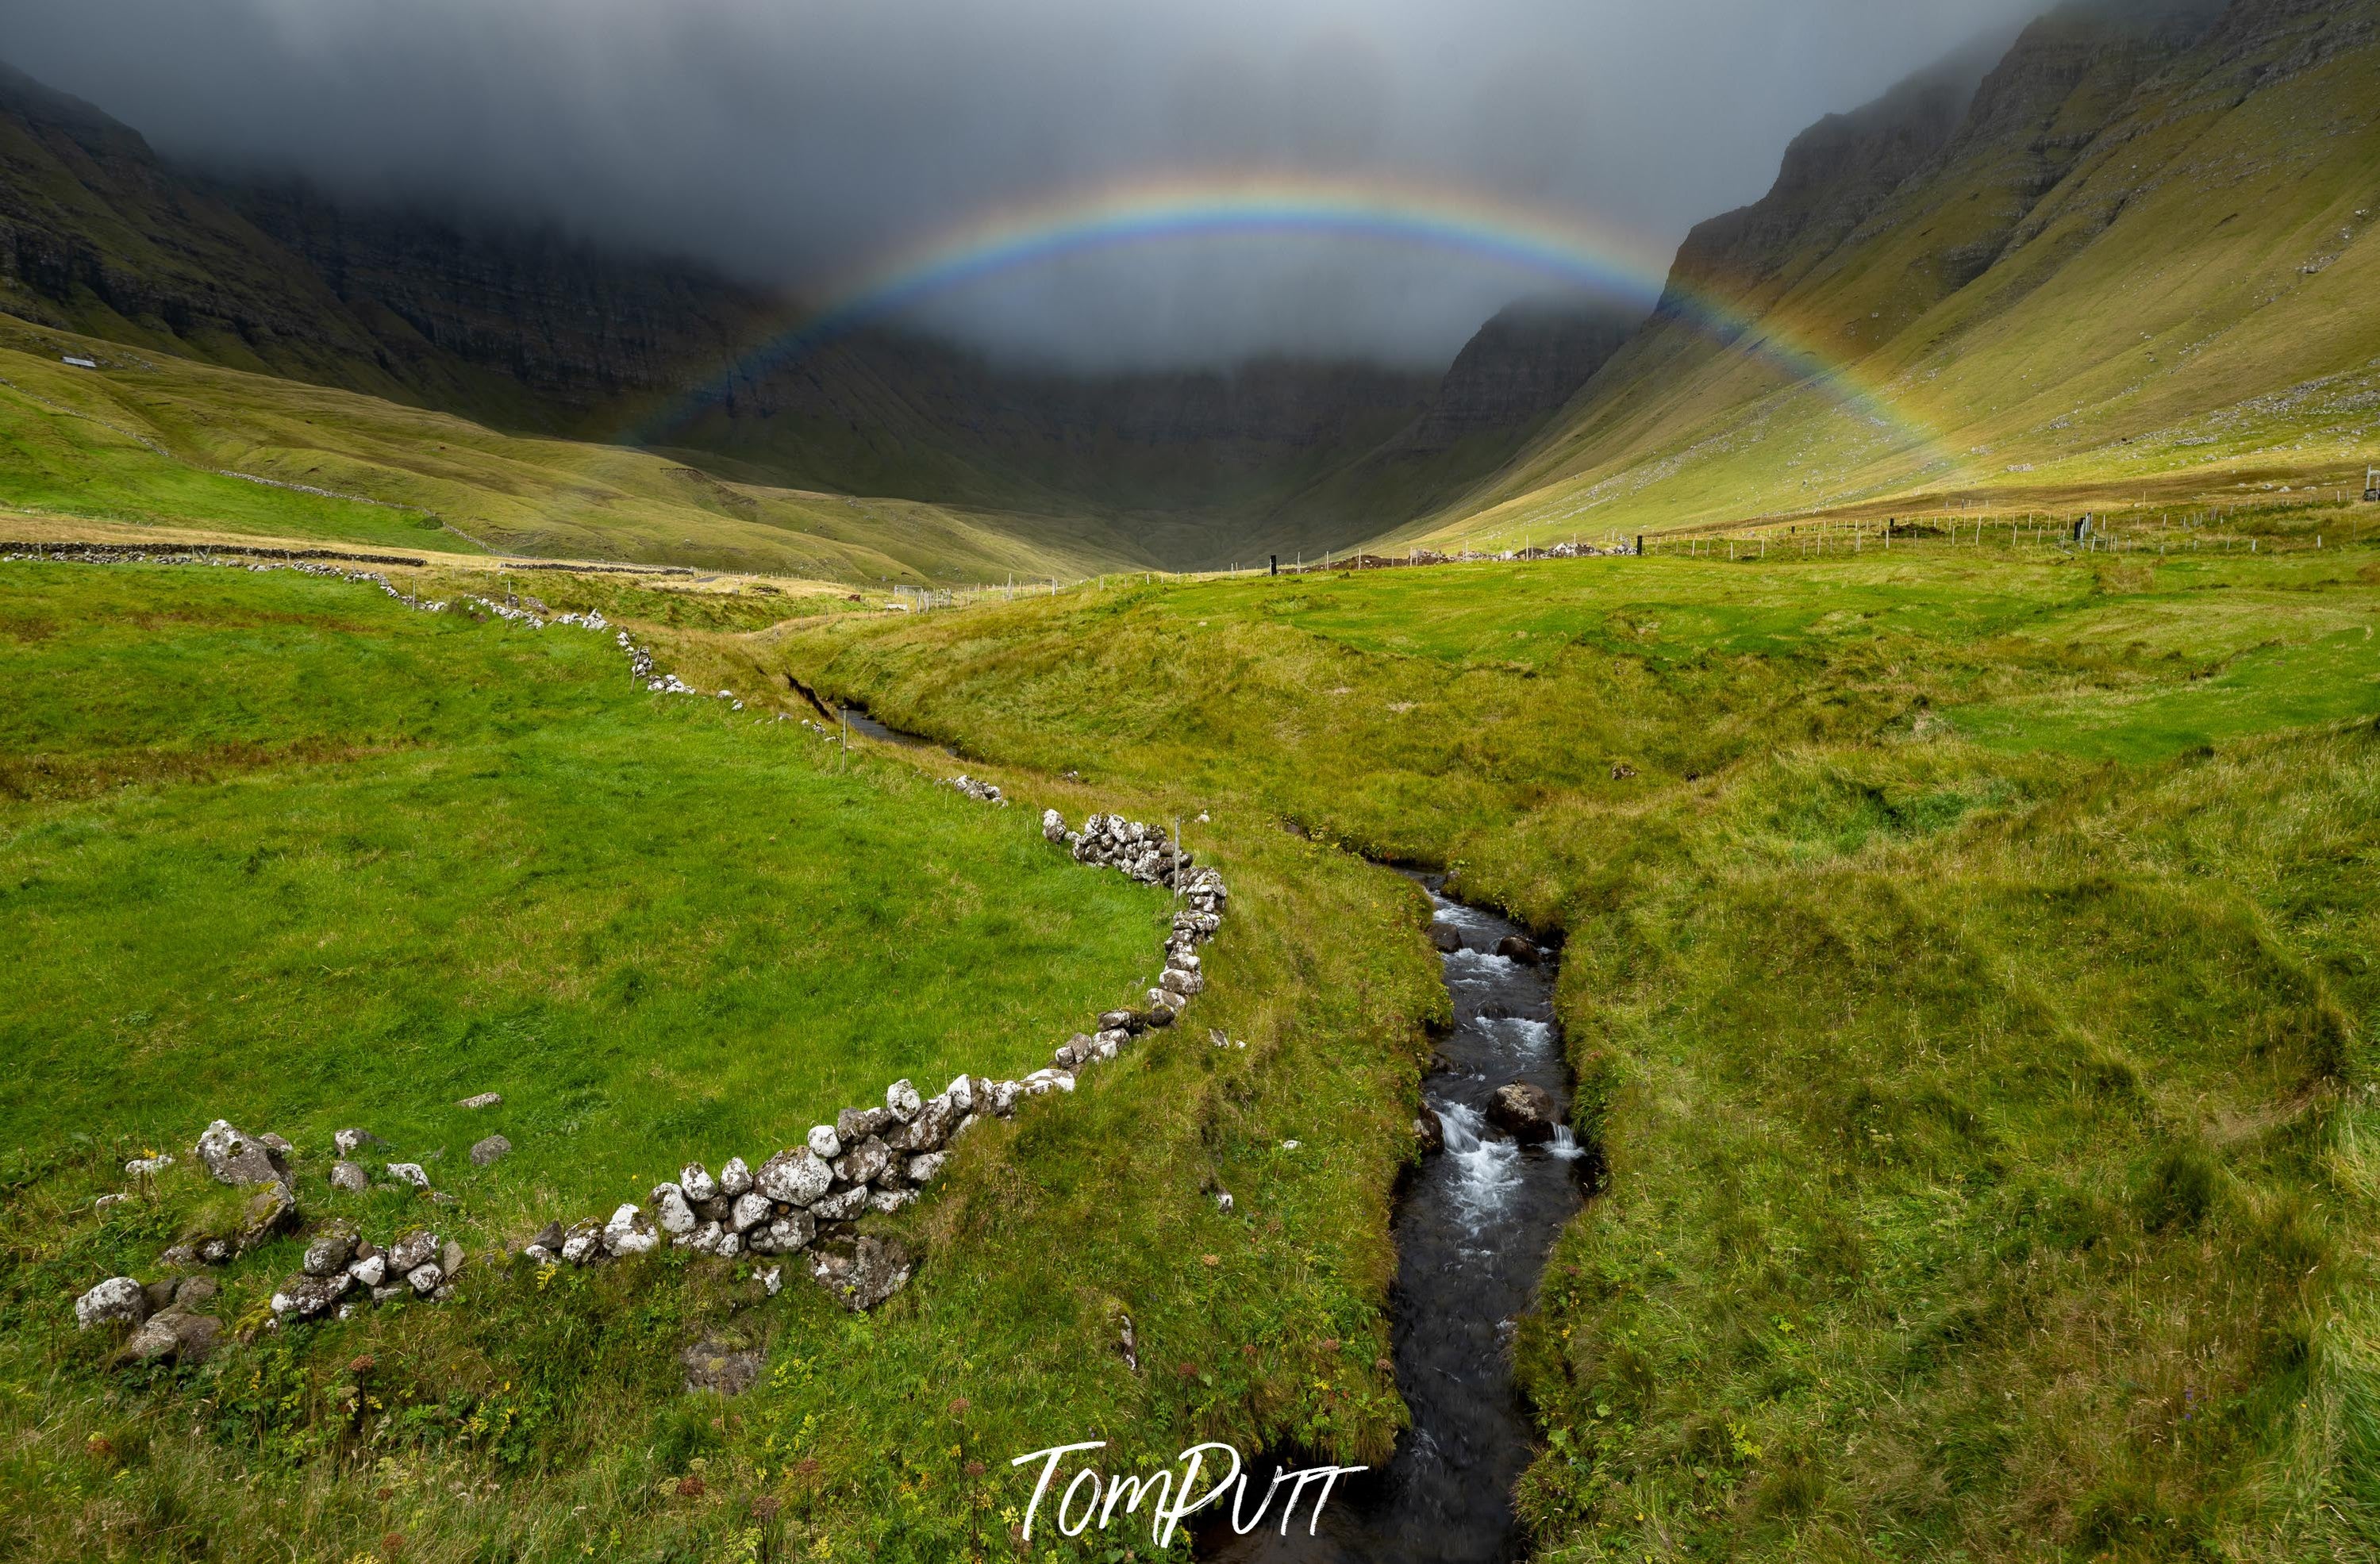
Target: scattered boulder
148, 1167
117, 1298
860, 1273
549, 1237
1053, 827
349, 1142
485, 1099
332, 1249
450, 1258
1429, 1132
489, 1150
194, 1291
1445, 938
1514, 948
175, 1336
1527, 1112
349, 1178
409, 1173
269, 1212
234, 1158
728, 1371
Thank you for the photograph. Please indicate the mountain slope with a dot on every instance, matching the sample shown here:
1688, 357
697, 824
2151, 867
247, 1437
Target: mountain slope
2135, 265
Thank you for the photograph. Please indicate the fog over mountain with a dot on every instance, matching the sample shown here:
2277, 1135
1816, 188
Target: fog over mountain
792, 140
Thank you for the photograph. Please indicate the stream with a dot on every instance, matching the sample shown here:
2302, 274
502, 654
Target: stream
1473, 1229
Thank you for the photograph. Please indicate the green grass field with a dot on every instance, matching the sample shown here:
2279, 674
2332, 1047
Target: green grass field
1970, 987
283, 850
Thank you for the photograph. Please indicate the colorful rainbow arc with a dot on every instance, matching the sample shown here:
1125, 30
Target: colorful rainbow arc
1564, 248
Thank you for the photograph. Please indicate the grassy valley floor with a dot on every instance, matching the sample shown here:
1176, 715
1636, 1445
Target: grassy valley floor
283, 850
1968, 975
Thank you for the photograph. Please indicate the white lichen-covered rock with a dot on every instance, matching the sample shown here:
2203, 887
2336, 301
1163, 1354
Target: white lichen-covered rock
748, 1212
783, 1235
628, 1232
694, 1180
409, 1173
1053, 826
117, 1298
424, 1279
704, 1240
349, 1178
902, 1100
309, 1297
371, 1271
672, 1211
149, 1167
855, 1124
1001, 1096
863, 1162
844, 1205
331, 1249
349, 1142
884, 1202
922, 1168
415, 1248
795, 1177
234, 1158
961, 1095
825, 1142
734, 1178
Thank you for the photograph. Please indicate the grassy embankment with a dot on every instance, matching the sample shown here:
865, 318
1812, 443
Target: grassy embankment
147, 438
281, 850
1968, 974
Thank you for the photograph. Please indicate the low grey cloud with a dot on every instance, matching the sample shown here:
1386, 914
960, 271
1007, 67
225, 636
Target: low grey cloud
796, 142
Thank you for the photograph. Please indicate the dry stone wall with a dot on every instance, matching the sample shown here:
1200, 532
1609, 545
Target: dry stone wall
798, 1201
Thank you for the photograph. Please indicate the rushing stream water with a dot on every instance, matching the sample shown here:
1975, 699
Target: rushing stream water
1472, 1233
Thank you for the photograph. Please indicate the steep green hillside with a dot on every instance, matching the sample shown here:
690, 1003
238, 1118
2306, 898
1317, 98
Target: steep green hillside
2137, 265
157, 440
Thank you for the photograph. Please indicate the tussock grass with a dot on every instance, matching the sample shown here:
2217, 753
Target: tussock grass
1968, 988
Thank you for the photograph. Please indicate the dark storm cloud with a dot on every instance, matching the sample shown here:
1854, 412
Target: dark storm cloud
791, 139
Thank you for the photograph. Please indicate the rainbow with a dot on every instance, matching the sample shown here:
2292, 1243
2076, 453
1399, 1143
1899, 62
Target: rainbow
1562, 247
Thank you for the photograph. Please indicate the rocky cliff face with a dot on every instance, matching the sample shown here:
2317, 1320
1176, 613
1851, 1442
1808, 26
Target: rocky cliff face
1834, 176
573, 325
1519, 368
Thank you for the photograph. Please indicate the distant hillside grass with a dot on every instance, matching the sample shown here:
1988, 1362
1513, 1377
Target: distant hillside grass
1967, 974
147, 437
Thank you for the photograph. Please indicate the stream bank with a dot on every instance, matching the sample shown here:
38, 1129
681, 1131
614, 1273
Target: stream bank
1473, 1229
